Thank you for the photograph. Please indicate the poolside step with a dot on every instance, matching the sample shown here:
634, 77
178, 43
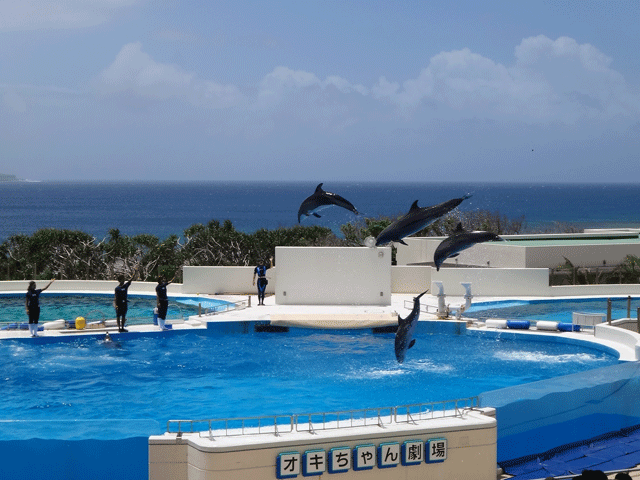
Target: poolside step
334, 320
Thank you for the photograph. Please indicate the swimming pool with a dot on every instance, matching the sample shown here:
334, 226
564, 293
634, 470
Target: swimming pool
99, 307
559, 310
145, 378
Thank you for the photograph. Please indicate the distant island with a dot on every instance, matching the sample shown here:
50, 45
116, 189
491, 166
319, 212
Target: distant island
8, 178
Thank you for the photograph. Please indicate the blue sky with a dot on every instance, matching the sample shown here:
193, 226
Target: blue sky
542, 91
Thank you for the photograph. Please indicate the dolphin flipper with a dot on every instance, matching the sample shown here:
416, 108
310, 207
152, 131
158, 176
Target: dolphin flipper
413, 342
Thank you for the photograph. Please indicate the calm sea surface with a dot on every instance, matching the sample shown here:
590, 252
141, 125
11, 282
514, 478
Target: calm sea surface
167, 208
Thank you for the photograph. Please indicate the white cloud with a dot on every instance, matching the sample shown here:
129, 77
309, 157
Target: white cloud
19, 15
550, 80
135, 72
283, 80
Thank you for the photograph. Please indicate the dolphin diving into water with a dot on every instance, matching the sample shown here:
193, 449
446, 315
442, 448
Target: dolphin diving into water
460, 240
406, 329
320, 200
415, 220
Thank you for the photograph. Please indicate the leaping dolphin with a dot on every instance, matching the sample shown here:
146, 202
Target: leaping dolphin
460, 240
322, 199
415, 220
406, 329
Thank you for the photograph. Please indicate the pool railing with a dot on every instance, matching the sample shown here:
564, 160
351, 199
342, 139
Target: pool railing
225, 307
310, 422
424, 307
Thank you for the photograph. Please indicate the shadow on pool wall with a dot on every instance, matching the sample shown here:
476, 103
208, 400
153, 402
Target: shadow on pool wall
71, 459
539, 416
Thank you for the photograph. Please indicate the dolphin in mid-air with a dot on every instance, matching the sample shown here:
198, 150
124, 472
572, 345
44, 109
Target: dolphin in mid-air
415, 220
406, 328
320, 200
460, 240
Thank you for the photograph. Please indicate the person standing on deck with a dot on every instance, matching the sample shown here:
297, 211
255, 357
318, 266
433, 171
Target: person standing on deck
261, 272
163, 300
120, 301
32, 305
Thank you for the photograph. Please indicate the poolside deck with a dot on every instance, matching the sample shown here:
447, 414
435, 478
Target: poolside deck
322, 316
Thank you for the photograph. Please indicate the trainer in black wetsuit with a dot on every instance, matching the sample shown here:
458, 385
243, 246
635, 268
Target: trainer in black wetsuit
120, 302
163, 300
32, 305
261, 272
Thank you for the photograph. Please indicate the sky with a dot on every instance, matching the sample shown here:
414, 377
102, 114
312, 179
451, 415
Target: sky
344, 90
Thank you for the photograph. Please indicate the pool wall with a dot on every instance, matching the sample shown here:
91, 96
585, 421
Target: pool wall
216, 280
469, 451
334, 276
500, 282
86, 286
74, 459
539, 416
530, 251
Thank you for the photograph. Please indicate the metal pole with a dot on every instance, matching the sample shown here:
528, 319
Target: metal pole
609, 311
629, 306
638, 326
199, 309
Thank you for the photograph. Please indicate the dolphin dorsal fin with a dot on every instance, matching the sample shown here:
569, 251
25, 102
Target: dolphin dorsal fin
414, 206
319, 188
459, 228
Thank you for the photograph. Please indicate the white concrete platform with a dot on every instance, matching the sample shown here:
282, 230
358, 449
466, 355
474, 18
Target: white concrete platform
468, 440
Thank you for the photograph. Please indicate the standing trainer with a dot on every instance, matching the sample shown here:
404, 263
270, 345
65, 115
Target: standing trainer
261, 272
32, 305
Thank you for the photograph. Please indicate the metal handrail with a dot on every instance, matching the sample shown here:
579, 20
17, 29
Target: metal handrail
222, 308
424, 307
429, 411
343, 419
310, 422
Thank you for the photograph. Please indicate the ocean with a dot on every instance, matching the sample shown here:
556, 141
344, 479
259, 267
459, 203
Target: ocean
166, 208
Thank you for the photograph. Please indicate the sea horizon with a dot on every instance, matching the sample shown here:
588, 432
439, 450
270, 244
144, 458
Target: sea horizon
341, 181
164, 207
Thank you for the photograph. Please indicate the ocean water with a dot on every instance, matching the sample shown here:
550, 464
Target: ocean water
166, 208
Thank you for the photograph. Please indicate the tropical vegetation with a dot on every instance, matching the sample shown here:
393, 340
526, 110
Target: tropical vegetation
72, 255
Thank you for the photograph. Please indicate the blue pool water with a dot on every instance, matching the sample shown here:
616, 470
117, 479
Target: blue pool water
98, 307
132, 387
555, 310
